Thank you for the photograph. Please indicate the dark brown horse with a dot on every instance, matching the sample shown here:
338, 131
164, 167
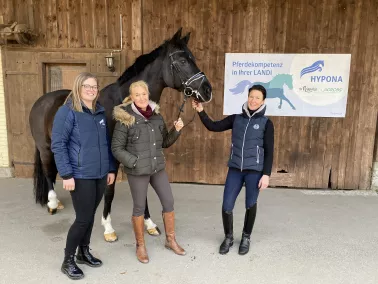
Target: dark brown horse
170, 65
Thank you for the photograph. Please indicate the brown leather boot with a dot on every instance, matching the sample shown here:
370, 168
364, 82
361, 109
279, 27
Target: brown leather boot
170, 241
141, 252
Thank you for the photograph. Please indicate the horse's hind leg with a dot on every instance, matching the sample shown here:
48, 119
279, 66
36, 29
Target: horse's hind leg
280, 105
151, 227
48, 173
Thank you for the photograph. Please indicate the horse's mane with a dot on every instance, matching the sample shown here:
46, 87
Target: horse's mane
140, 63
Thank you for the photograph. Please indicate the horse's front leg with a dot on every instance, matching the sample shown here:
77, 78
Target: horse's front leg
109, 233
53, 202
280, 105
151, 227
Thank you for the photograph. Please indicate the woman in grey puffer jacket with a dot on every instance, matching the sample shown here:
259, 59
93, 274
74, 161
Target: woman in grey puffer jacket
138, 140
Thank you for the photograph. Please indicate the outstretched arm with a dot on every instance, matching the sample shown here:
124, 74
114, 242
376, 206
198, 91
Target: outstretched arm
216, 126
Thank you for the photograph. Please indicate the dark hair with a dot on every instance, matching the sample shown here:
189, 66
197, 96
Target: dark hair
258, 88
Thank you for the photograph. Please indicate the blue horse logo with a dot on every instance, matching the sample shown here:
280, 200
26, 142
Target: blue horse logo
317, 66
274, 88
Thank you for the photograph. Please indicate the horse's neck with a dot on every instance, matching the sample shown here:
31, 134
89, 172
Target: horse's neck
276, 82
153, 76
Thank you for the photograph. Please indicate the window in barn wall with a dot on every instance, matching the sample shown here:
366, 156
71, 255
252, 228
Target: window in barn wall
61, 76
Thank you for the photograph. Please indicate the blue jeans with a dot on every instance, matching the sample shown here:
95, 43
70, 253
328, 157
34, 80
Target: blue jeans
234, 183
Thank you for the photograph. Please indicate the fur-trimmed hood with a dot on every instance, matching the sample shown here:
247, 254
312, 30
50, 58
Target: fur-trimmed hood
122, 113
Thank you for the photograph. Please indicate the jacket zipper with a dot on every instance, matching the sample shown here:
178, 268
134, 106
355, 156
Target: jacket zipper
258, 154
98, 139
78, 158
232, 150
245, 132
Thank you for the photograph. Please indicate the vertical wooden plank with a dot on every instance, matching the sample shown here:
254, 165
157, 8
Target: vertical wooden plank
87, 32
349, 123
113, 31
268, 17
62, 24
136, 31
51, 24
368, 104
77, 29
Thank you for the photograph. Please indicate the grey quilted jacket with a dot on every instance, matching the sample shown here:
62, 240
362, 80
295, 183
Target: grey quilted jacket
138, 142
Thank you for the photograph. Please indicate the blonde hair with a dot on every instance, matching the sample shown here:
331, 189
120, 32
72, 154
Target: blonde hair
75, 94
139, 83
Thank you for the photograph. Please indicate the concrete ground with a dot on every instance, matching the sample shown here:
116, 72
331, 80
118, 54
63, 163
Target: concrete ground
299, 237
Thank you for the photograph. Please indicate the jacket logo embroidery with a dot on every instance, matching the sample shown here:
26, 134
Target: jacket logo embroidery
102, 122
256, 126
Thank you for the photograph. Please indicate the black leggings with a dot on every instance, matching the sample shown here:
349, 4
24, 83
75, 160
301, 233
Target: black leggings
85, 198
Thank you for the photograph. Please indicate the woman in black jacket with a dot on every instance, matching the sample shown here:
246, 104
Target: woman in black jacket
250, 161
138, 140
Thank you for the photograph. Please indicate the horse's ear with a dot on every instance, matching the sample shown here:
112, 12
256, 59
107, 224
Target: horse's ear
177, 35
186, 38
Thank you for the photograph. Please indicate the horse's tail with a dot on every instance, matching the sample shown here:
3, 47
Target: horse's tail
41, 189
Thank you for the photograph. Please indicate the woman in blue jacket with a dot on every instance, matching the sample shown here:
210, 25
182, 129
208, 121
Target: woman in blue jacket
250, 161
82, 154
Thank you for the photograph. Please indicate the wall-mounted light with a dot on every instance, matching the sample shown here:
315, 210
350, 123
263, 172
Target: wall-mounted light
110, 62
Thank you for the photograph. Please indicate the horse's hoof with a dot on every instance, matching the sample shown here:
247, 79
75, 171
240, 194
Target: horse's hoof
111, 237
154, 231
51, 211
60, 206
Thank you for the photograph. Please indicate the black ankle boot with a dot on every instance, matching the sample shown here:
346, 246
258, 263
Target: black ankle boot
85, 257
249, 221
244, 244
70, 268
227, 218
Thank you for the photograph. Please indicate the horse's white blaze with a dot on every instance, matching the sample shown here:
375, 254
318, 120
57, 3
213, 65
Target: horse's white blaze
149, 224
107, 223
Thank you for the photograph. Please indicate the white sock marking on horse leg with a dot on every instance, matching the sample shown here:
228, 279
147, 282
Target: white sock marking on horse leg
149, 224
107, 223
53, 200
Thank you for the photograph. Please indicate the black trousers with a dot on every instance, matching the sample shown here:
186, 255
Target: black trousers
85, 198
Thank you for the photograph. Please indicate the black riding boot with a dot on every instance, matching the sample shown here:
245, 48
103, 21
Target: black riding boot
227, 218
249, 221
85, 257
70, 268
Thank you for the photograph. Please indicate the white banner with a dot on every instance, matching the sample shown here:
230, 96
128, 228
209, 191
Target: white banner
297, 84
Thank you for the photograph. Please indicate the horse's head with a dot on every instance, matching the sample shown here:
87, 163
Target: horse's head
289, 81
181, 72
282, 79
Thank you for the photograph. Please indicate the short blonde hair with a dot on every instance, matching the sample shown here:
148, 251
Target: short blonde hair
139, 83
75, 94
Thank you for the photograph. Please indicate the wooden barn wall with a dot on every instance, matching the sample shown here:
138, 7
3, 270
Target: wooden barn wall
78, 23
309, 152
68, 32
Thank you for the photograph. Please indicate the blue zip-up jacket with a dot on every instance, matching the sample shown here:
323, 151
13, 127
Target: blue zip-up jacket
81, 144
247, 148
252, 139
